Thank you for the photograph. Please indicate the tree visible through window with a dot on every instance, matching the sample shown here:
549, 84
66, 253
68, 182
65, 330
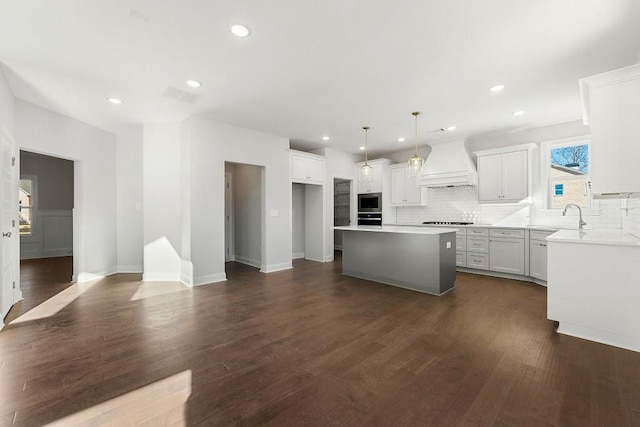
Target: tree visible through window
25, 200
569, 175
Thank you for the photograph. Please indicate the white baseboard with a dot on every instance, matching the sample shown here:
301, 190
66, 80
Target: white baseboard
314, 259
186, 273
209, 279
297, 255
161, 277
231, 259
248, 261
86, 276
276, 267
130, 269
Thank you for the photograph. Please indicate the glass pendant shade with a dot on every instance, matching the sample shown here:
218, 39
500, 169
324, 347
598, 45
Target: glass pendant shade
366, 171
415, 166
415, 163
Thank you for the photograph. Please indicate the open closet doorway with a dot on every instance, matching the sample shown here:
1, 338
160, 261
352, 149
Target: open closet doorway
244, 212
341, 208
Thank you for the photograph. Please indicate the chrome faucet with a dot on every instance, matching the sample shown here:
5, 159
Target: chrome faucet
581, 223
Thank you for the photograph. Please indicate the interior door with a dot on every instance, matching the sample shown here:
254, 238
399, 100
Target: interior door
7, 226
228, 218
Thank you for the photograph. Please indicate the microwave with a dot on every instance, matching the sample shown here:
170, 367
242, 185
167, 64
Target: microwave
370, 202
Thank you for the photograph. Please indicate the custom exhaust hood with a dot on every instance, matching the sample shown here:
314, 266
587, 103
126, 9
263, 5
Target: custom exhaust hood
449, 164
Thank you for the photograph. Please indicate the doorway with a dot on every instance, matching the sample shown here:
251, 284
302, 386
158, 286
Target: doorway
244, 214
341, 208
46, 202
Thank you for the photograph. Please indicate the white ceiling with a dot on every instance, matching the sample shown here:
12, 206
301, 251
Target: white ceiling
314, 68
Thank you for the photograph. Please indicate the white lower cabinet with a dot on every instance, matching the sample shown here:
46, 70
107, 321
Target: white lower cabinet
507, 255
478, 260
477, 246
538, 254
461, 247
538, 260
507, 249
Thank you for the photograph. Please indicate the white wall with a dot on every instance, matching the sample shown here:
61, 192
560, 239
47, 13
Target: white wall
247, 213
298, 220
94, 154
129, 199
162, 202
211, 144
338, 165
7, 106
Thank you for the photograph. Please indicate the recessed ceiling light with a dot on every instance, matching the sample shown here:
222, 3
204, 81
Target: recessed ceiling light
193, 83
325, 138
361, 148
240, 30
451, 128
116, 101
518, 113
401, 139
496, 88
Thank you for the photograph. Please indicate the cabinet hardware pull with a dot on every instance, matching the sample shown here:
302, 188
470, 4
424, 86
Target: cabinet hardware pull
7, 234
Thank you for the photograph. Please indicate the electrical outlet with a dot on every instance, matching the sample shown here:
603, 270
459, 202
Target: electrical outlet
448, 245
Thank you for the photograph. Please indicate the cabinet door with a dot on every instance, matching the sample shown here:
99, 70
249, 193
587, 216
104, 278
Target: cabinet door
315, 170
515, 185
298, 168
507, 255
538, 260
489, 178
305, 169
412, 192
376, 184
397, 186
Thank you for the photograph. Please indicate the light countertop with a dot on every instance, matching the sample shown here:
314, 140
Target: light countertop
596, 237
526, 227
400, 229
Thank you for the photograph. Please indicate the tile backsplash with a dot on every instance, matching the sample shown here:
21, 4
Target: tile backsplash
631, 217
461, 204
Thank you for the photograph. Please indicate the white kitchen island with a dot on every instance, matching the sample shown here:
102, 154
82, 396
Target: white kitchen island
417, 258
593, 290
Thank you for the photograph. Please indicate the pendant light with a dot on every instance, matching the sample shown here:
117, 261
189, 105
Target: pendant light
416, 162
366, 171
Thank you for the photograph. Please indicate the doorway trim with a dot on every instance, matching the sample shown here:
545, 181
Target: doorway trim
229, 252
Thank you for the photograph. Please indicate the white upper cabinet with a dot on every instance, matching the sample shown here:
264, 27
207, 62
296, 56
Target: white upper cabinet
611, 103
378, 169
503, 174
307, 168
404, 189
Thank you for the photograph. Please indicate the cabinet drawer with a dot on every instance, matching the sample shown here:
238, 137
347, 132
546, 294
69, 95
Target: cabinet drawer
516, 233
477, 231
461, 232
461, 259
477, 260
540, 235
477, 244
461, 243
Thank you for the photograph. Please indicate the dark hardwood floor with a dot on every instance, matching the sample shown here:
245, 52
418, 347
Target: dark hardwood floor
306, 346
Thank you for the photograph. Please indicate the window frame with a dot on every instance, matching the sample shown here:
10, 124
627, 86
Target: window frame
33, 207
546, 184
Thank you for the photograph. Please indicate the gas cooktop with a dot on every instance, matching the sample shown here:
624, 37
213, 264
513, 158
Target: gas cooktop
447, 223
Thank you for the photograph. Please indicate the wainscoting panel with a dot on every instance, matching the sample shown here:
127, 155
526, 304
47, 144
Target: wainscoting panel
52, 235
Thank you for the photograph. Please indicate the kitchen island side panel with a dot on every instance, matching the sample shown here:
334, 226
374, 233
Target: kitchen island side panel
414, 261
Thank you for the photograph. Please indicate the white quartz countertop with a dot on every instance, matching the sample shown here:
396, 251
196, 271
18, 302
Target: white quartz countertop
597, 237
525, 227
400, 229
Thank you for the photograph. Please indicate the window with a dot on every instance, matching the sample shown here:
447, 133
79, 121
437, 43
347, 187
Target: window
568, 172
26, 201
